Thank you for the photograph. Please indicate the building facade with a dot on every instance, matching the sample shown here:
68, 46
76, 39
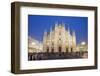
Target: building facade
59, 40
34, 46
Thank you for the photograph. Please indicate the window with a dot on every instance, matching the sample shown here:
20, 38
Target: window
47, 49
52, 50
66, 49
59, 49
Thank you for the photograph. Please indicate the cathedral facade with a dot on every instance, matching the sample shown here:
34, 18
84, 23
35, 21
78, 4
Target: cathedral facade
59, 39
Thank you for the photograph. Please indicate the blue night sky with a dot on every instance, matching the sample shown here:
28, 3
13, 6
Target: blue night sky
37, 24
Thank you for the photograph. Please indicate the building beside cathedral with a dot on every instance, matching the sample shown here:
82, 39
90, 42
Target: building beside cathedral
34, 46
59, 39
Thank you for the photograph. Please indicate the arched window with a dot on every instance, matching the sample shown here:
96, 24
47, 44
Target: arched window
59, 33
66, 49
52, 44
71, 49
52, 50
47, 49
59, 48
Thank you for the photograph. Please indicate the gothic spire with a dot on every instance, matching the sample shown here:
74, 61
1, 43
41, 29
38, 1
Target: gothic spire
50, 29
50, 32
45, 34
56, 24
73, 34
63, 24
68, 30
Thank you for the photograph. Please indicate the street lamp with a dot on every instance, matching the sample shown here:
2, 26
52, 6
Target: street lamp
83, 43
33, 43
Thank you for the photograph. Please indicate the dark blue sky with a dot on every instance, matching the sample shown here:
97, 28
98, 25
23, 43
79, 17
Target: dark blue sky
38, 23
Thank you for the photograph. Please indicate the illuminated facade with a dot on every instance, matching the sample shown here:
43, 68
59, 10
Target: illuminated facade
34, 46
59, 40
58, 43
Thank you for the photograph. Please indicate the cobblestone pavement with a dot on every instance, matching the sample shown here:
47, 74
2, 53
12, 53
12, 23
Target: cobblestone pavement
53, 56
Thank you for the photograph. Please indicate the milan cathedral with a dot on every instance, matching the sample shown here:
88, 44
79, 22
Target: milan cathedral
59, 40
